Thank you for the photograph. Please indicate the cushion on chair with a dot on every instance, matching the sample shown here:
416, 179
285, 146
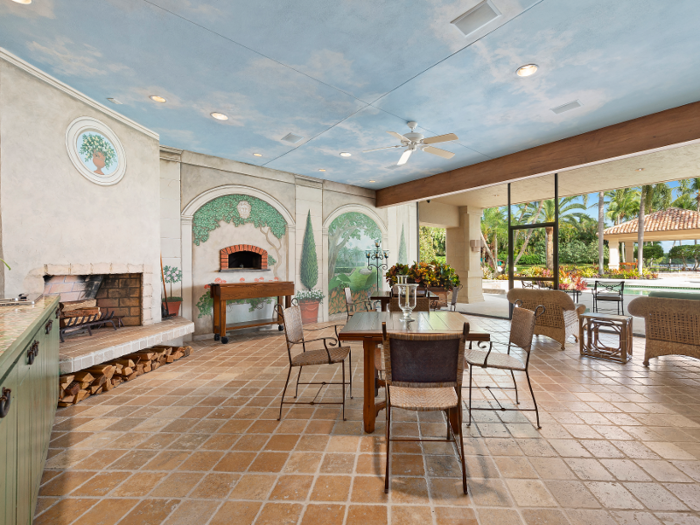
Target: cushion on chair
320, 357
608, 296
423, 399
496, 360
676, 295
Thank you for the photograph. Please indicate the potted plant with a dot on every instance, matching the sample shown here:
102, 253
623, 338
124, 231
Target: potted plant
172, 275
309, 299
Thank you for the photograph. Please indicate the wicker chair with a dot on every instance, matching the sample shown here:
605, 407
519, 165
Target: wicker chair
560, 320
424, 373
294, 333
522, 329
672, 326
352, 307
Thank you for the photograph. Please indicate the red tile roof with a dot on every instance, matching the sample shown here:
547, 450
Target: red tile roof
672, 219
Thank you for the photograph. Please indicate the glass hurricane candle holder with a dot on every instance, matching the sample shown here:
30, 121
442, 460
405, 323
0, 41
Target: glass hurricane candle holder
408, 298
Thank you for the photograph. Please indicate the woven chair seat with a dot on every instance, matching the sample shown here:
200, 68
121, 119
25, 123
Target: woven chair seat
496, 360
320, 357
423, 399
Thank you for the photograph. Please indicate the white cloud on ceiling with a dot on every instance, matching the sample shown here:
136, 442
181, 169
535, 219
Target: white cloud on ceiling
77, 60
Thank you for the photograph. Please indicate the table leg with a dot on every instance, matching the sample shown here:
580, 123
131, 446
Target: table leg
222, 322
368, 410
215, 317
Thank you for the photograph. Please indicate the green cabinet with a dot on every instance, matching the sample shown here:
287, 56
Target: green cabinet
29, 378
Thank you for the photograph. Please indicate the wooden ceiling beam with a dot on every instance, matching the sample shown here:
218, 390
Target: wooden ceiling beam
652, 132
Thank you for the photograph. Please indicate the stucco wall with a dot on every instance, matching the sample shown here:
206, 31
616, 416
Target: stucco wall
51, 214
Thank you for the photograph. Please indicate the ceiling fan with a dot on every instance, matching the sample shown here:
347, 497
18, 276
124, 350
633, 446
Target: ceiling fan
414, 141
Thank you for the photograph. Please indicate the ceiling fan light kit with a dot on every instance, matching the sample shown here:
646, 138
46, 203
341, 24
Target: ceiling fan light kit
416, 141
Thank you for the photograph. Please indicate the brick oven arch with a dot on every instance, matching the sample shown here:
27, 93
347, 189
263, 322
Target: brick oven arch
225, 252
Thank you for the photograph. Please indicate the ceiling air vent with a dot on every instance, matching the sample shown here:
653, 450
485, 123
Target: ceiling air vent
567, 107
292, 138
477, 17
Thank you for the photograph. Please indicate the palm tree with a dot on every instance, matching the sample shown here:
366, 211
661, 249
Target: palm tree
492, 224
651, 196
566, 216
622, 204
530, 213
695, 186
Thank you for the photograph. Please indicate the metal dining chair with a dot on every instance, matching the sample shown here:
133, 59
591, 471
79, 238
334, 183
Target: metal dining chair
423, 374
522, 330
352, 307
294, 334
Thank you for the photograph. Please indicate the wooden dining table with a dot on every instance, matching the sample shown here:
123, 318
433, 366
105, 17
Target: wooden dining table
384, 297
367, 327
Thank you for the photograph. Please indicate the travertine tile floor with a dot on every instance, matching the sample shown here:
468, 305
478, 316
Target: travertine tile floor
197, 442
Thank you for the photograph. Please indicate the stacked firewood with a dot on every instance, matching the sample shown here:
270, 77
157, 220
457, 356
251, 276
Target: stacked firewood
84, 308
73, 388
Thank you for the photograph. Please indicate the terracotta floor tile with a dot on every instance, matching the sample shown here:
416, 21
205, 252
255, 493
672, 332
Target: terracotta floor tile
544, 517
412, 465
65, 511
108, 511
65, 483
316, 443
279, 514
282, 442
177, 485
253, 487
292, 488
150, 512
530, 493
303, 463
139, 484
191, 511
269, 462
338, 464
613, 495
572, 494
220, 442
251, 442
236, 512
201, 461
235, 462
367, 515
498, 517
368, 489
374, 464
101, 484
331, 488
325, 514
655, 496
216, 485
411, 491
410, 515
134, 460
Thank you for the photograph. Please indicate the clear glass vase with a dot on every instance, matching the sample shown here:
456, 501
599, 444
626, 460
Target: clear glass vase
408, 299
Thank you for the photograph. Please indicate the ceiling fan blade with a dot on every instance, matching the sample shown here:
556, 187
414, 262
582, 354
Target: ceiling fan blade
398, 136
440, 138
439, 152
404, 157
377, 149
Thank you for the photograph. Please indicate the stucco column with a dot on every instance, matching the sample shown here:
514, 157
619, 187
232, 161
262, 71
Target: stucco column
460, 256
614, 260
629, 251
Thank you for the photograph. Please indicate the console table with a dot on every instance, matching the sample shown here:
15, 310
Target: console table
221, 293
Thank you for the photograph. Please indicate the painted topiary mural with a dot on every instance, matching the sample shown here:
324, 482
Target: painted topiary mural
403, 256
308, 271
225, 208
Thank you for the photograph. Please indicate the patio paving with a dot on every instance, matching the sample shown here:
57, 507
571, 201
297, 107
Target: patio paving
198, 442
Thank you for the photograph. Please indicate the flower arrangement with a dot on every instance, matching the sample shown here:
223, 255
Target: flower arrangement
425, 274
309, 295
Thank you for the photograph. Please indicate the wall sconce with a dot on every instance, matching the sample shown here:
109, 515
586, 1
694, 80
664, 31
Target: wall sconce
475, 244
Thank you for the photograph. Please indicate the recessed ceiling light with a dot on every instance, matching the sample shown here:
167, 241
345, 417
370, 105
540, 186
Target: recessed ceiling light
25, 2
257, 154
345, 154
219, 116
157, 98
373, 181
640, 169
321, 169
114, 101
527, 70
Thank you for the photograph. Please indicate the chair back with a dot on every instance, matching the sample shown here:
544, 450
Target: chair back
555, 302
522, 326
609, 287
422, 304
455, 294
424, 361
293, 324
348, 296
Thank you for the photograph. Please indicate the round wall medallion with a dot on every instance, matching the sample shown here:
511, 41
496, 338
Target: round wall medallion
95, 151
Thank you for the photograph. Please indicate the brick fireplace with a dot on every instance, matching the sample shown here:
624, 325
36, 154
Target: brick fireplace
125, 289
243, 257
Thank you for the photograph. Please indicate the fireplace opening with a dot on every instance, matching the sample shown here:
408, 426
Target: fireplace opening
244, 259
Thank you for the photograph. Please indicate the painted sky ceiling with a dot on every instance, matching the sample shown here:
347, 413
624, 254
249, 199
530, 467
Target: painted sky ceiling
342, 73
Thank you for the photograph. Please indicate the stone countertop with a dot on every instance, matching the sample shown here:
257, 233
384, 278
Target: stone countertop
16, 320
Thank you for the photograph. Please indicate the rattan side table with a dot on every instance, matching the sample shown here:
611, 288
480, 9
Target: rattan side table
590, 343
